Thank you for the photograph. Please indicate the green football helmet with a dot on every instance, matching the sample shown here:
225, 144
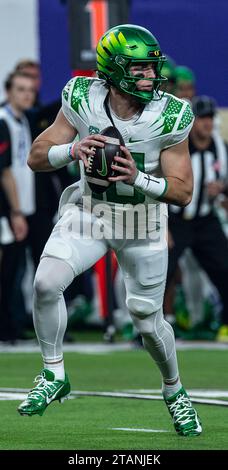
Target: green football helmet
184, 74
124, 46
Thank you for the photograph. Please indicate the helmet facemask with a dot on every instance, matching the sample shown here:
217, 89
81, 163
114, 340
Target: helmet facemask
129, 82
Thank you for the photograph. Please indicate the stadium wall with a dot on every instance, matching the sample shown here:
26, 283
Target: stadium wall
54, 48
193, 33
19, 38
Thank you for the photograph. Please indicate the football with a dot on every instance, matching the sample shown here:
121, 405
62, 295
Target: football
100, 169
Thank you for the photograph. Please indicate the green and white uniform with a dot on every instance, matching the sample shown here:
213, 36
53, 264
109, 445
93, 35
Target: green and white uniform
143, 261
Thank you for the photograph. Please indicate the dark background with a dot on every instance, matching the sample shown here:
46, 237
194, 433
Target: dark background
193, 33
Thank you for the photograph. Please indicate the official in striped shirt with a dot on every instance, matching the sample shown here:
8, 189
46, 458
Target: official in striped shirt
197, 226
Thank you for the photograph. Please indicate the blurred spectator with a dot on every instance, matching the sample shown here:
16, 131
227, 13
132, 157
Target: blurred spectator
195, 309
32, 70
184, 89
185, 82
8, 186
49, 185
40, 117
196, 226
20, 96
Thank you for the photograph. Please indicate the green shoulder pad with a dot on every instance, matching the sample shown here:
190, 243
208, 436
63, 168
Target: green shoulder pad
76, 93
66, 89
169, 116
186, 119
80, 93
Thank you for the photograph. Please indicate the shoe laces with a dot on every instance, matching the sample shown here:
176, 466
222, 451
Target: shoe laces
182, 410
42, 389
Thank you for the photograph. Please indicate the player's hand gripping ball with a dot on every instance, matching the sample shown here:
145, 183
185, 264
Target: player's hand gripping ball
100, 162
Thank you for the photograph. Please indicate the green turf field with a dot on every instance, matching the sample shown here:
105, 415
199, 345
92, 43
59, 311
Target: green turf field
87, 422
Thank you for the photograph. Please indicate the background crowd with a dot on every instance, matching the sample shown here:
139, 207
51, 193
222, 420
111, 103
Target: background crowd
196, 298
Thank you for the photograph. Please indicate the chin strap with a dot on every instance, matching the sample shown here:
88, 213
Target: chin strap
108, 110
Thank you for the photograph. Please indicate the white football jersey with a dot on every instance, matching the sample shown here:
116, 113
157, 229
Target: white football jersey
161, 124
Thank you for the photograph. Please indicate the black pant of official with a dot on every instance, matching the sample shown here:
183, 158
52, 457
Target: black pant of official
205, 237
13, 265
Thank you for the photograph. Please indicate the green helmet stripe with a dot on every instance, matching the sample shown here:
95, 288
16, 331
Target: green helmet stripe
113, 41
101, 51
122, 39
109, 43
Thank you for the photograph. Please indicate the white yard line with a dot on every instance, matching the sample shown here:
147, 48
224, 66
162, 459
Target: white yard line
140, 396
193, 393
138, 430
29, 346
14, 394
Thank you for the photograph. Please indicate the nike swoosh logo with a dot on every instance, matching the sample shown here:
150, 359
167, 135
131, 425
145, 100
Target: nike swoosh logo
131, 141
49, 400
104, 170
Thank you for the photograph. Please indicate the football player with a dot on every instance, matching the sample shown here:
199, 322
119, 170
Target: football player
185, 82
155, 170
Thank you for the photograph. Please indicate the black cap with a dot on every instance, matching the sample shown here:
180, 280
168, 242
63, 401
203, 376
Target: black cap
203, 106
